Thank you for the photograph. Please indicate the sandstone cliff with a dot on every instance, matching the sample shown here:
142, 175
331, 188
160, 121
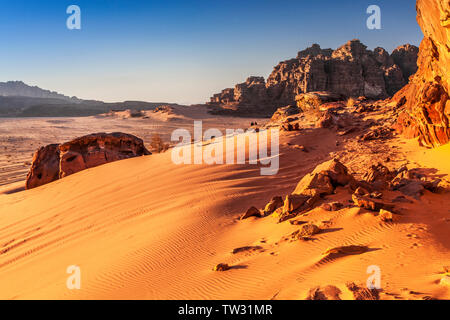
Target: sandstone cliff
425, 100
349, 71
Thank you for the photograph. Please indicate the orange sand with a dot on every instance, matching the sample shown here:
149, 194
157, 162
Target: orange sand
145, 228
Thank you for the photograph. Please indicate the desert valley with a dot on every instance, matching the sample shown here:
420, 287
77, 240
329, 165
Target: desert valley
358, 208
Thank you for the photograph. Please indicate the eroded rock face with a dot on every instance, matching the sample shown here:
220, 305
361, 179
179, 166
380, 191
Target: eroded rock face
44, 167
58, 161
425, 100
406, 58
349, 71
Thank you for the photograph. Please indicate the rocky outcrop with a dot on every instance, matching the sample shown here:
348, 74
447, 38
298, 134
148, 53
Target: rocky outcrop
349, 71
322, 181
406, 58
58, 161
425, 100
44, 167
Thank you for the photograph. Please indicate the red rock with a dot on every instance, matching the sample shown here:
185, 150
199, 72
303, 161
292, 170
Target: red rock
44, 167
386, 216
282, 113
363, 293
274, 204
322, 181
425, 100
251, 212
349, 71
369, 203
58, 161
222, 267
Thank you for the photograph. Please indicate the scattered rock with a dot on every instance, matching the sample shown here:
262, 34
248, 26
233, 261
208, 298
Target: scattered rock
376, 195
386, 216
222, 267
379, 133
274, 204
325, 293
332, 206
283, 113
432, 186
413, 189
370, 204
313, 100
379, 175
297, 222
251, 212
247, 249
322, 181
306, 231
361, 293
344, 251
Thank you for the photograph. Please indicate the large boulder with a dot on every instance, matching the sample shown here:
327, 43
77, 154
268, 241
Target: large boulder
58, 161
425, 100
44, 166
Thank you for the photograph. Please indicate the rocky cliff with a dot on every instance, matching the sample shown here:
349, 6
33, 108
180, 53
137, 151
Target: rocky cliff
350, 71
425, 100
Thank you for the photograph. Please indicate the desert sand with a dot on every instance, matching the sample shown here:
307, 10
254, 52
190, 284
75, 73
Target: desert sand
145, 228
20, 137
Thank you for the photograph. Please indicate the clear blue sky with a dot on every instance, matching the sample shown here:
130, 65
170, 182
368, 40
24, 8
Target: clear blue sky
179, 50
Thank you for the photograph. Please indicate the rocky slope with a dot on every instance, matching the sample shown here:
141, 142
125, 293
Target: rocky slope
349, 71
425, 100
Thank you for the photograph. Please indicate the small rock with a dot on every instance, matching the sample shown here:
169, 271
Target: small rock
345, 250
413, 189
386, 216
370, 204
332, 206
306, 231
222, 267
274, 204
252, 212
432, 186
361, 293
293, 202
376, 195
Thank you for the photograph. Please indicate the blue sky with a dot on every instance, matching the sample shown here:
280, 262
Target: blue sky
179, 50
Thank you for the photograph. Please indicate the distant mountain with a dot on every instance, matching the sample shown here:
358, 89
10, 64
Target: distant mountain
18, 99
19, 88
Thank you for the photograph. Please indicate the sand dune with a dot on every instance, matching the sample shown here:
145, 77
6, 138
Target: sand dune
145, 228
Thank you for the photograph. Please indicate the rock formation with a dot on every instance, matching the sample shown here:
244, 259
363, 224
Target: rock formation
58, 161
44, 167
425, 100
349, 71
